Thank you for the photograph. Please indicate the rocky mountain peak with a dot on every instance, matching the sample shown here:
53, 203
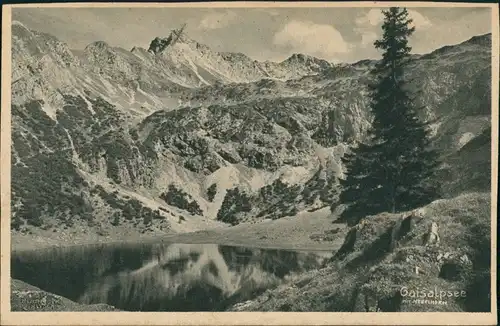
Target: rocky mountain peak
99, 52
98, 45
298, 57
303, 58
18, 26
484, 39
160, 44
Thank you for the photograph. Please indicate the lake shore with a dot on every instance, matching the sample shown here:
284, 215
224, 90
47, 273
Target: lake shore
308, 231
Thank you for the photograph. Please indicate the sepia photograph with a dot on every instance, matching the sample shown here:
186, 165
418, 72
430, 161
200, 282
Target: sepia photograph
249, 158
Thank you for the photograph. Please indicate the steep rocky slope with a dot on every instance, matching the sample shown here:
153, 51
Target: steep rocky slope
179, 137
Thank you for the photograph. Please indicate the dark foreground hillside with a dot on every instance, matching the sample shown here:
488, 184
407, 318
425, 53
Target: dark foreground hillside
25, 297
388, 258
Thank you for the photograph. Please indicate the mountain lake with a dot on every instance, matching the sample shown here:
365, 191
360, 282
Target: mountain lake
161, 276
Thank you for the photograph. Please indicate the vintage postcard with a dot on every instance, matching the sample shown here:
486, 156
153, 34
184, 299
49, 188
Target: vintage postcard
249, 163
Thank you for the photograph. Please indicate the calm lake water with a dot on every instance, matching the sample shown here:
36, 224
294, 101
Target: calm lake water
161, 277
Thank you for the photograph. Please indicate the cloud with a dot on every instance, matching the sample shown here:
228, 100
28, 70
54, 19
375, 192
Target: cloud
368, 37
419, 20
218, 20
310, 38
368, 24
373, 17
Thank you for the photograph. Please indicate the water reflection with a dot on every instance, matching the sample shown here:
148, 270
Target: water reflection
161, 277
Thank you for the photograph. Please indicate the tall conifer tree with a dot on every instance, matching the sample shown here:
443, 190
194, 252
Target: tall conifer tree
393, 169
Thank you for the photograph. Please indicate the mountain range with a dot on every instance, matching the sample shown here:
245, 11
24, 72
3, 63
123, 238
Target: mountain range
178, 137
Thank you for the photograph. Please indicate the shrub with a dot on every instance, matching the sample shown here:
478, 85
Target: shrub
35, 221
116, 219
157, 215
211, 192
177, 197
16, 223
148, 219
234, 203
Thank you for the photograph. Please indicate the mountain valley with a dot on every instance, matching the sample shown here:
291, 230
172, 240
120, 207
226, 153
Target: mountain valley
113, 143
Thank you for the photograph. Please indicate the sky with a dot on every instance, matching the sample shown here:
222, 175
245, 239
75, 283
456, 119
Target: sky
334, 34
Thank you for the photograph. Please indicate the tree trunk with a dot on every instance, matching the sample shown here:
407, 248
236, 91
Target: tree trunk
393, 199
